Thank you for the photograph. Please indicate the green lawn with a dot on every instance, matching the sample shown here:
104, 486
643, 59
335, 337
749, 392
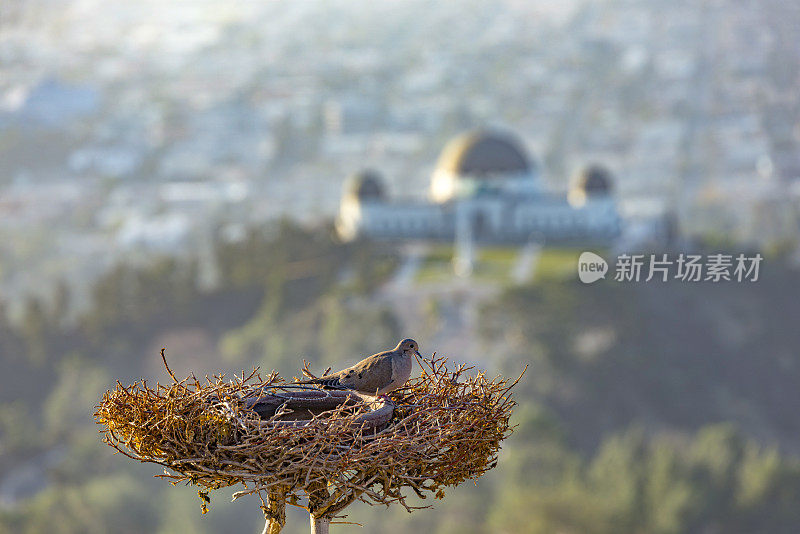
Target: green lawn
437, 265
556, 264
560, 263
495, 264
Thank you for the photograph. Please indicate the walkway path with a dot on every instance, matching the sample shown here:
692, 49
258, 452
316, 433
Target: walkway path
525, 266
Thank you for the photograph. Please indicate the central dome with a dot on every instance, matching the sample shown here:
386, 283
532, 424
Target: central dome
483, 154
482, 163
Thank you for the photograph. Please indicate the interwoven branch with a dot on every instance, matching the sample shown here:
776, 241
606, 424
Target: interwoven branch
441, 429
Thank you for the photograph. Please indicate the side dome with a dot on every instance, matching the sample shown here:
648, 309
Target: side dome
483, 154
594, 180
365, 185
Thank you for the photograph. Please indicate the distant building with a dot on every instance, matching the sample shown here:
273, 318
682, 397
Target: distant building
484, 189
53, 103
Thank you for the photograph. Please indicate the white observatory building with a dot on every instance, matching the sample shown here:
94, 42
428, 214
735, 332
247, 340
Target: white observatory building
484, 189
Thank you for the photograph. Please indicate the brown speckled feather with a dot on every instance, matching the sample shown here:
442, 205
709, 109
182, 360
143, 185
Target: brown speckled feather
370, 374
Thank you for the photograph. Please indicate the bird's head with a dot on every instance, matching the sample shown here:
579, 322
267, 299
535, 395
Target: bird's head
410, 346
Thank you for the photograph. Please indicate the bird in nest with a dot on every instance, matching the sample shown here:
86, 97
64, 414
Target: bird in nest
377, 374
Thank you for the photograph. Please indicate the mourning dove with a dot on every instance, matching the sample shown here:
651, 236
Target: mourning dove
378, 374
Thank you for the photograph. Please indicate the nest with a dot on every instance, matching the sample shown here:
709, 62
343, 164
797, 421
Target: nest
290, 442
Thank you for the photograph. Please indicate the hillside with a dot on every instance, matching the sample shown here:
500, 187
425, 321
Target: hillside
663, 408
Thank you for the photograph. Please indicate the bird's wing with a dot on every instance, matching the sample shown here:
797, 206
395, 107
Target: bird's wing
370, 374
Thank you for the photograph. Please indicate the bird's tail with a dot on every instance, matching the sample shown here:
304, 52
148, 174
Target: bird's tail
309, 381
331, 382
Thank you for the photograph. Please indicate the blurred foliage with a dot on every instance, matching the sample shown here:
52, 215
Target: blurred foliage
716, 481
80, 383
648, 408
672, 355
116, 503
17, 431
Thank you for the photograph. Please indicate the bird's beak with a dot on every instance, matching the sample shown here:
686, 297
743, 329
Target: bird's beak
418, 354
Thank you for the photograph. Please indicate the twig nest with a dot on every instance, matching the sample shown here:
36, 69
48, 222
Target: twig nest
442, 428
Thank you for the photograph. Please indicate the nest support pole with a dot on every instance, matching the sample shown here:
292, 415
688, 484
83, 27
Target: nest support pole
274, 512
320, 525
319, 512
324, 506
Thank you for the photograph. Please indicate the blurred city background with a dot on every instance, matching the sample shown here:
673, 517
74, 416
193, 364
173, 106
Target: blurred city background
258, 183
